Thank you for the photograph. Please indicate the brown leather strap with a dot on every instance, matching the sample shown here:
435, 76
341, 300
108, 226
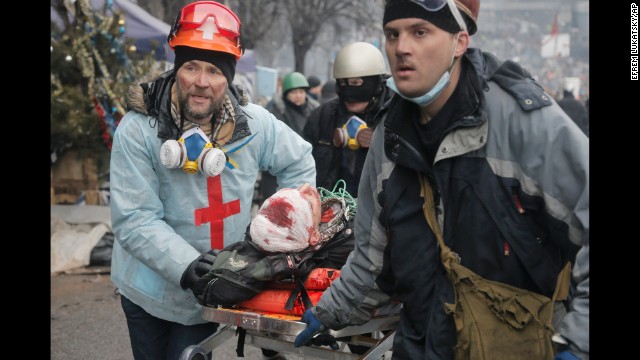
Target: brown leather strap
446, 255
562, 285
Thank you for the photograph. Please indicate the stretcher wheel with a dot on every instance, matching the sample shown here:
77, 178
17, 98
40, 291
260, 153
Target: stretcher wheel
193, 352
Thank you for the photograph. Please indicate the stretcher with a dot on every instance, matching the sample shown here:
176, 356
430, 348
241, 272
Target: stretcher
278, 332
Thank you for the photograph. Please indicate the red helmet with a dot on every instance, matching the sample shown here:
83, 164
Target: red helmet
207, 25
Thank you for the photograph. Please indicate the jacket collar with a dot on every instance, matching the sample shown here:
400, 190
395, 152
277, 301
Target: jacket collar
511, 77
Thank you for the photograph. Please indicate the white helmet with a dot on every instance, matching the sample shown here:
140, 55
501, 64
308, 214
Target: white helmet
358, 59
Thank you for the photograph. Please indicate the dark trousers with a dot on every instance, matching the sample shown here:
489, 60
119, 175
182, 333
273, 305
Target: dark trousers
156, 339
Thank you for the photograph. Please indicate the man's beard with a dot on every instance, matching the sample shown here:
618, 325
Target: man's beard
196, 116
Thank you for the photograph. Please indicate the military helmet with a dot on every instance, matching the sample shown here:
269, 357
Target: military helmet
358, 59
294, 80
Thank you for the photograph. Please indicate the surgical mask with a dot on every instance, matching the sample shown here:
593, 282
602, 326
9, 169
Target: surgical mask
427, 98
192, 152
354, 134
435, 91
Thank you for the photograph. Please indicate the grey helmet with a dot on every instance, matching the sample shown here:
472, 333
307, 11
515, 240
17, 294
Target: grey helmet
358, 59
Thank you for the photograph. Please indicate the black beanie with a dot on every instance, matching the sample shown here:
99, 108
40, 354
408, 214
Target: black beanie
313, 81
225, 62
443, 18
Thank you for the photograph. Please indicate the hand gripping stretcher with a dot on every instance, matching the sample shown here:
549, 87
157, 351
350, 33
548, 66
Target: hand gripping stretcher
278, 332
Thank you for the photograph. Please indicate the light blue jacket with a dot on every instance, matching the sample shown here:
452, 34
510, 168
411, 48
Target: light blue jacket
154, 209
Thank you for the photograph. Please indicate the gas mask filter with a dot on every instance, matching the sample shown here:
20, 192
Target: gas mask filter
192, 152
354, 134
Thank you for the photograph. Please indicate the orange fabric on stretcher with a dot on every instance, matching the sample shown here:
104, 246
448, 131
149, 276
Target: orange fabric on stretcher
318, 279
274, 301
274, 298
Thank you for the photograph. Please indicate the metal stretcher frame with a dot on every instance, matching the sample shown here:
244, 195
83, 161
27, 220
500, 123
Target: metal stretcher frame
278, 332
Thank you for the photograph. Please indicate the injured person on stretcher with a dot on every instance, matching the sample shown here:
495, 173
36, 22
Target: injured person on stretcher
293, 250
288, 220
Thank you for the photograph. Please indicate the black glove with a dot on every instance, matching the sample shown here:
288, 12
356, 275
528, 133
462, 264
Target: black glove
196, 270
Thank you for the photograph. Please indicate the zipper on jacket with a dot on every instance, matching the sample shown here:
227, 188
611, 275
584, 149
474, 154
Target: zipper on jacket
521, 210
290, 262
516, 200
291, 268
518, 203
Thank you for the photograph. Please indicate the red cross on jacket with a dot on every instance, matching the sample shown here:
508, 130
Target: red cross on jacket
216, 212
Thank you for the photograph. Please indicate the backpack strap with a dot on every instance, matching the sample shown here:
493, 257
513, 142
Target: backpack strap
306, 300
301, 291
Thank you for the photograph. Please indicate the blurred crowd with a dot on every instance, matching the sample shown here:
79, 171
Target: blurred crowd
521, 42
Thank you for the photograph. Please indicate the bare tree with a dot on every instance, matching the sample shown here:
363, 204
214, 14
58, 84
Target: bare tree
257, 18
155, 8
307, 17
165, 10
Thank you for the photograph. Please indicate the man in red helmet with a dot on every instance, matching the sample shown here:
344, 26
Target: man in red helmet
184, 163
473, 200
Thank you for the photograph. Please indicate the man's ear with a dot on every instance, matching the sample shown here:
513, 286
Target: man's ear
463, 43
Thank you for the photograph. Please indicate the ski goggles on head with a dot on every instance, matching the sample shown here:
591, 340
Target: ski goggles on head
194, 15
435, 5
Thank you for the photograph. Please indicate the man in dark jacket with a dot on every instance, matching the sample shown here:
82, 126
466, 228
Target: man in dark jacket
339, 130
576, 111
295, 104
509, 173
315, 87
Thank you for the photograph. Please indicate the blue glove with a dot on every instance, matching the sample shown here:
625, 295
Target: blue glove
565, 355
314, 326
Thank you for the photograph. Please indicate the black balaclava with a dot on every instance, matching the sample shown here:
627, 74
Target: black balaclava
365, 92
313, 81
225, 62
